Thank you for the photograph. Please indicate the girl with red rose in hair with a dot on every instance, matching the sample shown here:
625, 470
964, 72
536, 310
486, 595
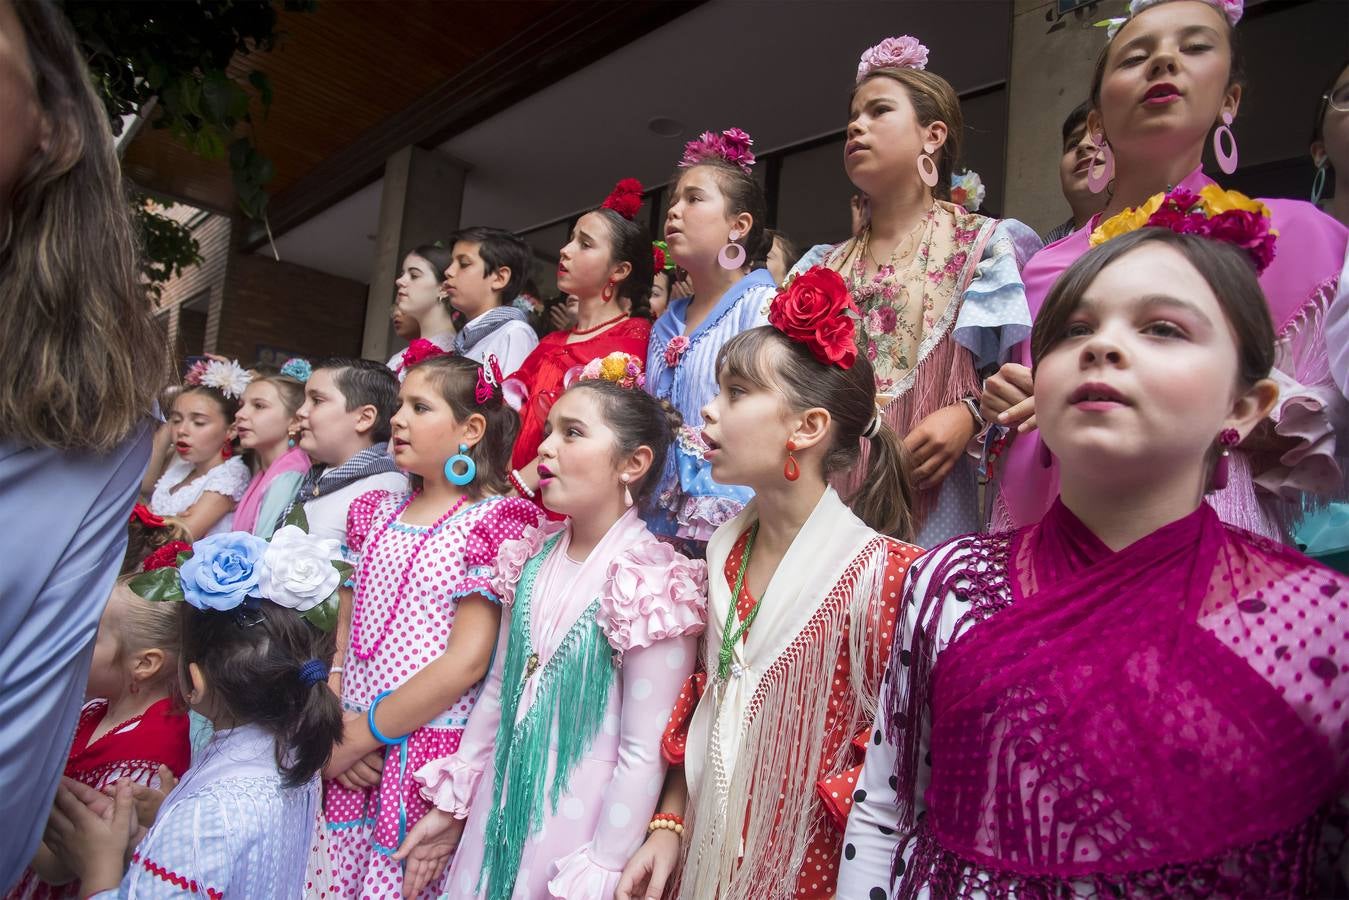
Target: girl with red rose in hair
803, 596
1168, 84
715, 231
608, 265
938, 289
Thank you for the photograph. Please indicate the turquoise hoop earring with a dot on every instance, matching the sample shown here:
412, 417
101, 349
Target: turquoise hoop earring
470, 468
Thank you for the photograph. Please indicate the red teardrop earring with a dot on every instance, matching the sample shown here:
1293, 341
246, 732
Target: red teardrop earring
791, 471
226, 451
607, 294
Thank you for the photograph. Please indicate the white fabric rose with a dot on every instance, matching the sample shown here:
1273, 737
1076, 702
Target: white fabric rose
297, 569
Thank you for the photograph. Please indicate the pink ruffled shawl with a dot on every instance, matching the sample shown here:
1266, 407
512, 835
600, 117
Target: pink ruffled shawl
1163, 720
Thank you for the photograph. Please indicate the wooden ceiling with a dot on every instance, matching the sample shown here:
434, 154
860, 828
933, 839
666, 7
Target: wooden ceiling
355, 80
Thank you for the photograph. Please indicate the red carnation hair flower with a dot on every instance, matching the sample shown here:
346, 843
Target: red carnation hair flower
418, 350
166, 556
625, 199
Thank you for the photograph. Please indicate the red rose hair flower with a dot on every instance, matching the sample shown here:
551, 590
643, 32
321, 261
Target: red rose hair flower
815, 309
625, 199
166, 556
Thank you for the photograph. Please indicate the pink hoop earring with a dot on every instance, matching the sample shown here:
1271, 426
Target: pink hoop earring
1046, 456
1227, 159
732, 256
927, 169
1096, 183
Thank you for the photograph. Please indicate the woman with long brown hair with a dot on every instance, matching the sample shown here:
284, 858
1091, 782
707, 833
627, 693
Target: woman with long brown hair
82, 360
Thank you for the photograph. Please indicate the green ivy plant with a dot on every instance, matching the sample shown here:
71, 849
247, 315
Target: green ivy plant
176, 54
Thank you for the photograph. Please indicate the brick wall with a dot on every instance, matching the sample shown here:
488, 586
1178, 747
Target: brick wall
276, 309
255, 309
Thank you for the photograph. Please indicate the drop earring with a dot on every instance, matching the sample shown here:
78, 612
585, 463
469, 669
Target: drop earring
1046, 456
1222, 140
226, 451
791, 471
1319, 179
927, 168
627, 491
607, 294
731, 256
1227, 439
459, 479
1097, 183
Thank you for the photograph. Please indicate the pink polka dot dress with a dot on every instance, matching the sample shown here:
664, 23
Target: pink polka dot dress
393, 638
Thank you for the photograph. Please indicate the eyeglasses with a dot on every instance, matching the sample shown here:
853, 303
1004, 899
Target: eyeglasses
1337, 99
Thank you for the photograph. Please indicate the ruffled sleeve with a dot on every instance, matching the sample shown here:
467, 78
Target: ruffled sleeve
505, 520
230, 478
652, 592
994, 315
512, 556
361, 518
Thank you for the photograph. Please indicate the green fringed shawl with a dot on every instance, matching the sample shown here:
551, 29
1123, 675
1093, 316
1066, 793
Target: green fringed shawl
579, 674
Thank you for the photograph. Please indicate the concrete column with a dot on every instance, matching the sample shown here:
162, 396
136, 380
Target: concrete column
1050, 73
422, 194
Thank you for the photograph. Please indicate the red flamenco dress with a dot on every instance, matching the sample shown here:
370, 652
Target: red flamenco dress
134, 749
541, 375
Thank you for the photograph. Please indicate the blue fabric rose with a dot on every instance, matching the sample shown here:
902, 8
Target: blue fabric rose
223, 570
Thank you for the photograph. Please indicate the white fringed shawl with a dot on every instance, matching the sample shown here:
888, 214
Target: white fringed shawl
759, 736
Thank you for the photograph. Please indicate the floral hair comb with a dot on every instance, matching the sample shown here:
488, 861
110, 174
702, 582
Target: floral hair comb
623, 369
233, 571
1227, 216
732, 145
223, 375
625, 199
903, 52
297, 368
419, 350
489, 381
1232, 10
816, 310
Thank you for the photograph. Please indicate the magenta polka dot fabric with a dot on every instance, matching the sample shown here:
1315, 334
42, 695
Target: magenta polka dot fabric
396, 633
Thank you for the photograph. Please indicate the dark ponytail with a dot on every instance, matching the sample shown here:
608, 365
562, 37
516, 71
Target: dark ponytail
743, 195
251, 659
765, 357
632, 244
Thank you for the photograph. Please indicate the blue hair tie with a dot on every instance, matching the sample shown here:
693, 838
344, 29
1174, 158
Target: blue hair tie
312, 672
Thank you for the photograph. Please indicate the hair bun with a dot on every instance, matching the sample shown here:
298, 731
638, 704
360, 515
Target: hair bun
625, 199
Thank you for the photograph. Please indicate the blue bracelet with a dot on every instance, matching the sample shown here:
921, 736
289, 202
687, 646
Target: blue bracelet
370, 719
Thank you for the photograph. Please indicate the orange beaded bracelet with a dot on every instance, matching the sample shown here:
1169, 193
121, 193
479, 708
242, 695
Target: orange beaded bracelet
667, 822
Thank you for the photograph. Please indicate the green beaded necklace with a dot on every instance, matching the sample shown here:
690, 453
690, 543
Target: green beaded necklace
729, 637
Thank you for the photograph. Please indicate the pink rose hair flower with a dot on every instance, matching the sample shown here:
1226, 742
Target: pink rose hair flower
419, 350
903, 52
732, 145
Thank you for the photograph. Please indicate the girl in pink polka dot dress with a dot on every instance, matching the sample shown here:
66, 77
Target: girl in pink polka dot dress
424, 616
560, 769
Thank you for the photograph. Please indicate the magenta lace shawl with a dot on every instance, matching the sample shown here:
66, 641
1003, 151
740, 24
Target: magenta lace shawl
1166, 720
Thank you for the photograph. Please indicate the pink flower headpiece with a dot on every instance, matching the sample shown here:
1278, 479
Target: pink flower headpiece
903, 52
625, 199
418, 350
733, 145
1232, 10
